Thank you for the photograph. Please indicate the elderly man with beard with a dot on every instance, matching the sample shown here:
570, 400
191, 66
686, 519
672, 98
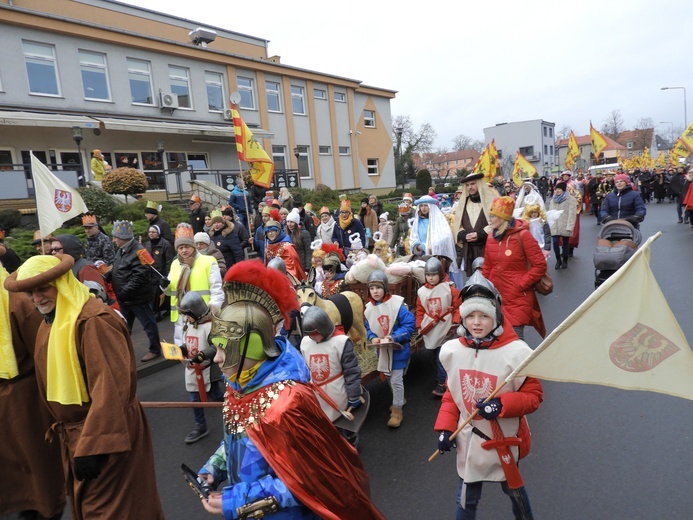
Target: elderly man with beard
470, 224
87, 379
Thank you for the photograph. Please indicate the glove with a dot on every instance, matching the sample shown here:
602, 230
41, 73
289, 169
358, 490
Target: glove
184, 351
354, 404
491, 409
635, 220
164, 282
444, 442
89, 467
606, 219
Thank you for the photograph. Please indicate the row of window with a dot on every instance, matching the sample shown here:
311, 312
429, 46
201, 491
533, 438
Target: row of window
42, 71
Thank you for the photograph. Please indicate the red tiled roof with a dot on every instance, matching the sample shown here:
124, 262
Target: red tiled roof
585, 140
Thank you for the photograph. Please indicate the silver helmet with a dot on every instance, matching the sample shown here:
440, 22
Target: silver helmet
316, 320
478, 286
378, 278
278, 264
193, 305
434, 266
97, 290
478, 263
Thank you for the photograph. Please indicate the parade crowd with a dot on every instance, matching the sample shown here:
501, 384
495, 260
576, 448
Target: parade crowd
288, 375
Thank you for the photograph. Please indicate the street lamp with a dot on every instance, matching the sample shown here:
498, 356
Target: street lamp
77, 137
685, 113
399, 163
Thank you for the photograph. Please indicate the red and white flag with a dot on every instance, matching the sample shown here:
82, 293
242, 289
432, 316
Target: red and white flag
623, 335
56, 202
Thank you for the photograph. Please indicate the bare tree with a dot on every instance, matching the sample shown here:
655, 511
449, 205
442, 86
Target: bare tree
464, 142
613, 124
406, 142
643, 134
478, 145
564, 132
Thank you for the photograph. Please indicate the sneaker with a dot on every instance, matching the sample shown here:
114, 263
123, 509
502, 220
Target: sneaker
197, 433
149, 356
439, 390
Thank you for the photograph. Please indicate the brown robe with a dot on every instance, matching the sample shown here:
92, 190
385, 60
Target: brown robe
31, 476
112, 422
472, 250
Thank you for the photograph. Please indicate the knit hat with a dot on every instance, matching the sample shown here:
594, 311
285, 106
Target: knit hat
152, 208
294, 216
561, 186
502, 207
622, 177
384, 215
184, 235
478, 303
216, 216
122, 229
202, 237
365, 200
157, 228
89, 220
324, 210
227, 211
567, 172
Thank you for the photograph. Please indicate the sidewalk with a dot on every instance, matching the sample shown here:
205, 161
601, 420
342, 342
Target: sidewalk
140, 343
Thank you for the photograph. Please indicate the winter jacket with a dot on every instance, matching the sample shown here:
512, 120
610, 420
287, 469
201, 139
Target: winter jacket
341, 236
229, 243
163, 254
385, 229
623, 204
400, 230
130, 278
505, 265
565, 223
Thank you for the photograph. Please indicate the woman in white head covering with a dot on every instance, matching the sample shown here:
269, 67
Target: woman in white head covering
432, 232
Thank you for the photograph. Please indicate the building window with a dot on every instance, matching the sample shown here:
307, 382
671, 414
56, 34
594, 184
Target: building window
340, 97
369, 118
247, 92
324, 150
546, 131
343, 150
215, 91
527, 151
551, 149
182, 160
140, 77
550, 132
273, 98
630, 145
297, 104
303, 162
94, 75
546, 149
279, 157
42, 68
373, 167
180, 85
319, 93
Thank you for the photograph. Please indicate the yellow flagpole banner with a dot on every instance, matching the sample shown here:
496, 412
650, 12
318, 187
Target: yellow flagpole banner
483, 165
494, 158
573, 151
598, 142
680, 150
56, 202
250, 150
687, 136
623, 335
523, 168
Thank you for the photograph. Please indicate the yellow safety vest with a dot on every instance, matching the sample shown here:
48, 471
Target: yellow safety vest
199, 280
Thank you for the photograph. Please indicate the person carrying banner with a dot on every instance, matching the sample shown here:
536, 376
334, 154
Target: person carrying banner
85, 367
478, 362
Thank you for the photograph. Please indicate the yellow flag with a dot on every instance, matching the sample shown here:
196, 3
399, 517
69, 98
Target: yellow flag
661, 160
679, 151
523, 168
250, 150
623, 335
687, 136
483, 165
494, 158
573, 151
598, 142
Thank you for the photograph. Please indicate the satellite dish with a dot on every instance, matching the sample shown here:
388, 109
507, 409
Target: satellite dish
235, 98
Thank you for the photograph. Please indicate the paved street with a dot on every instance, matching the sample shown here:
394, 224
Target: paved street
598, 452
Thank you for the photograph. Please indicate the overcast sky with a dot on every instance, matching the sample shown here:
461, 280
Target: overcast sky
463, 67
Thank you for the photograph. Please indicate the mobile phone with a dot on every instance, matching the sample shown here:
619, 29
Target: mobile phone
197, 484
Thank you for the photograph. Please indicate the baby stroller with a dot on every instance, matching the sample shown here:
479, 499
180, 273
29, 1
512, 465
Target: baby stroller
616, 243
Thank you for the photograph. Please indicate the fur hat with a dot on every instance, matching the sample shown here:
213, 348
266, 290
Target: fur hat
122, 229
202, 237
184, 235
478, 303
152, 208
294, 216
502, 207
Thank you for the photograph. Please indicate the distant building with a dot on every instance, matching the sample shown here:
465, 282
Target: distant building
444, 167
78, 75
608, 155
636, 140
534, 139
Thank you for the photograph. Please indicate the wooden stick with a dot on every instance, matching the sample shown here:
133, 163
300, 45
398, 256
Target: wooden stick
176, 404
466, 422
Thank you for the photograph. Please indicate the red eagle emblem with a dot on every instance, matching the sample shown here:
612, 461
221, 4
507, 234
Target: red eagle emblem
63, 200
434, 306
474, 386
192, 344
384, 321
640, 349
319, 365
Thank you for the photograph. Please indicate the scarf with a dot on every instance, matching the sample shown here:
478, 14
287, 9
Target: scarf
64, 380
8, 358
560, 198
346, 222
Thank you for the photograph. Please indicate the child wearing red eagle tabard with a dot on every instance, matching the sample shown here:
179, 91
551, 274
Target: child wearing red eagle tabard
478, 363
437, 309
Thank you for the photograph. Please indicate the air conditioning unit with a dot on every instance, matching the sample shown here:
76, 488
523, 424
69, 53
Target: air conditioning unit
168, 100
228, 114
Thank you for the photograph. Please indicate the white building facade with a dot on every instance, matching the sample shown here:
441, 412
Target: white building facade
534, 139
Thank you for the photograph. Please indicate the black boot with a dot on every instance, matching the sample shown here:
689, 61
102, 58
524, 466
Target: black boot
565, 262
558, 263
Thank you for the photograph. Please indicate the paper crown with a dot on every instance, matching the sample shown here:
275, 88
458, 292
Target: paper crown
195, 198
89, 220
404, 208
216, 216
39, 239
266, 210
152, 207
122, 229
502, 207
345, 205
185, 236
96, 152
308, 207
325, 209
